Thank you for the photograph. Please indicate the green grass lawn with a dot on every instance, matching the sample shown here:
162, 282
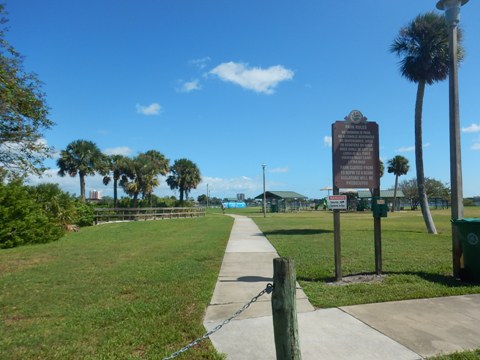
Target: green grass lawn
416, 264
115, 291
139, 290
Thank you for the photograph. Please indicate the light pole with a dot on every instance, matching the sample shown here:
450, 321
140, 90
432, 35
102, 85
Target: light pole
452, 18
264, 194
207, 196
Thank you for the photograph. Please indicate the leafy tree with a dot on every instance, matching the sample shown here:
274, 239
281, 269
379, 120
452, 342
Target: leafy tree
23, 112
202, 199
423, 46
84, 158
120, 167
398, 166
146, 167
434, 189
185, 176
381, 168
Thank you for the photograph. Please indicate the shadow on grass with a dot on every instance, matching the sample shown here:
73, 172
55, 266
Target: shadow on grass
297, 232
250, 279
445, 280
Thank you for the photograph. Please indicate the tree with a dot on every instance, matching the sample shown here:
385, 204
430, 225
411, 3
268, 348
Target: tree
398, 166
143, 178
120, 167
423, 46
23, 113
84, 158
185, 176
434, 189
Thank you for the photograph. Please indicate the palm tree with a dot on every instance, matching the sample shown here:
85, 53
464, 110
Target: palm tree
120, 167
398, 166
84, 158
143, 178
423, 46
185, 176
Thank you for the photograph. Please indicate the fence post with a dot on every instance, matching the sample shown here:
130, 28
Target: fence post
284, 310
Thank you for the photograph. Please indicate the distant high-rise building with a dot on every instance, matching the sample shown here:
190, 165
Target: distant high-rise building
95, 195
241, 197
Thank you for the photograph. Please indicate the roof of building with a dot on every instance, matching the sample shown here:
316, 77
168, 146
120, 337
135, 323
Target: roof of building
383, 193
281, 195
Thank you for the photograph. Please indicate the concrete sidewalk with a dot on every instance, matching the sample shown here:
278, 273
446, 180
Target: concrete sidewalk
411, 329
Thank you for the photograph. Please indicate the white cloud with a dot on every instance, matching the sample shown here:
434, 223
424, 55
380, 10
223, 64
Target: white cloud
406, 149
200, 63
410, 148
475, 146
327, 141
152, 109
278, 170
256, 79
472, 128
232, 185
121, 150
190, 86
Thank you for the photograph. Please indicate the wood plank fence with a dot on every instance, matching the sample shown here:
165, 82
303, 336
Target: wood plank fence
104, 215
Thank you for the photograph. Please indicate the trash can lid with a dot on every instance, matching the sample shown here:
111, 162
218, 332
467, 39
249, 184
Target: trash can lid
465, 220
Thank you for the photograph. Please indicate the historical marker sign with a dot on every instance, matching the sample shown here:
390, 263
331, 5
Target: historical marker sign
355, 153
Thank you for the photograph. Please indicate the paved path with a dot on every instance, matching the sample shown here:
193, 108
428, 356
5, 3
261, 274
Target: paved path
404, 330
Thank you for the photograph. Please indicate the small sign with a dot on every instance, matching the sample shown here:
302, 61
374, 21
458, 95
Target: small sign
337, 202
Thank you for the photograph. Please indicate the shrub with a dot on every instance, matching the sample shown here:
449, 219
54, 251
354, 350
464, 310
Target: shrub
23, 220
85, 213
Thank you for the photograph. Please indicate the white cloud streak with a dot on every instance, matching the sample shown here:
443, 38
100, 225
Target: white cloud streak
410, 148
200, 63
473, 128
327, 141
121, 150
189, 86
152, 109
255, 78
278, 170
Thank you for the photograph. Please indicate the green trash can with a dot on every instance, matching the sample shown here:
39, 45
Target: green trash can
469, 230
274, 208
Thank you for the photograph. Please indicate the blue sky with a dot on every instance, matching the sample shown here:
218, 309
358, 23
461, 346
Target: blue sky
231, 85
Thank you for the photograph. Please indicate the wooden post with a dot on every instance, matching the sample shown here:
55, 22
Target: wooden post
284, 310
337, 240
377, 234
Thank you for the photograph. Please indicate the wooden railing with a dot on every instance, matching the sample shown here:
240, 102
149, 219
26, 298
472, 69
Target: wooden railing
103, 215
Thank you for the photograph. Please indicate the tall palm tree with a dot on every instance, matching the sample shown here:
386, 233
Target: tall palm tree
398, 166
120, 167
84, 158
144, 174
423, 46
185, 176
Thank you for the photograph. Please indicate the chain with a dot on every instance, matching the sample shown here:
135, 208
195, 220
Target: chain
267, 290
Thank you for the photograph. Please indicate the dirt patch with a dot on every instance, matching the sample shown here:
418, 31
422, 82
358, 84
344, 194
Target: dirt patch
359, 279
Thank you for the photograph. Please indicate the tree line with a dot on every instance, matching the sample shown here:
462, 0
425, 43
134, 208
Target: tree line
137, 176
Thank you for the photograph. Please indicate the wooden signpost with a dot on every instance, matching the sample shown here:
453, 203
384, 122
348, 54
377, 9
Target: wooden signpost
356, 164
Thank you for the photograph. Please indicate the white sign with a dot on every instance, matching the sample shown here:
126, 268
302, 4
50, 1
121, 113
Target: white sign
337, 202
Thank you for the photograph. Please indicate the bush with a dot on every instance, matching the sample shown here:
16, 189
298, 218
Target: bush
85, 213
24, 220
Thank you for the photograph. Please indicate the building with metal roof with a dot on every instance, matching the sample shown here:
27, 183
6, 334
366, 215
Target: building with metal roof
365, 195
284, 200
